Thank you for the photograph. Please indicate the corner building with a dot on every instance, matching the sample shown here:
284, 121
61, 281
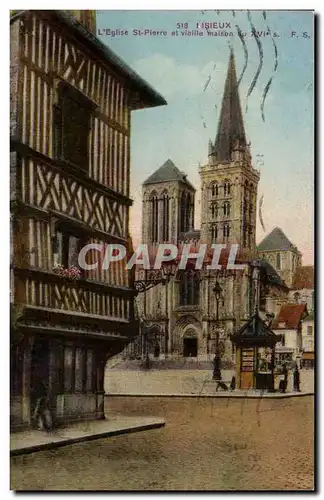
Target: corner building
70, 123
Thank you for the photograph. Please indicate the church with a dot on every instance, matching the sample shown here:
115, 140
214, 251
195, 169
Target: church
197, 312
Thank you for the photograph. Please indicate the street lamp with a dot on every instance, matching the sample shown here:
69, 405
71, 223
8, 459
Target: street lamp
154, 277
217, 371
256, 275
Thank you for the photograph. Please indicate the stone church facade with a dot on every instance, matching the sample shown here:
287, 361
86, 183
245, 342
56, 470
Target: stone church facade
186, 311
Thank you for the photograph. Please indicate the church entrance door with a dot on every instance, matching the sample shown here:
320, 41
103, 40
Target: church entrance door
190, 347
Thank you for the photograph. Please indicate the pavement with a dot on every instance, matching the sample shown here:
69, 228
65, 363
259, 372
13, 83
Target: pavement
208, 444
189, 383
30, 441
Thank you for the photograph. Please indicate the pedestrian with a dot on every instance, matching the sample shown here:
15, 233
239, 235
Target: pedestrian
285, 374
296, 379
216, 371
43, 414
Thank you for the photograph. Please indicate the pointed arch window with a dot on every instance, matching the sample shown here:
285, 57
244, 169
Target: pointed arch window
226, 230
188, 213
214, 190
165, 216
227, 208
227, 188
214, 233
182, 212
214, 210
154, 213
189, 289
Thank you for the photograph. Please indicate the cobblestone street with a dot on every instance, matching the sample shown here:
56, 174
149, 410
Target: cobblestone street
207, 444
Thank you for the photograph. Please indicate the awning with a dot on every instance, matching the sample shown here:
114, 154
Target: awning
308, 355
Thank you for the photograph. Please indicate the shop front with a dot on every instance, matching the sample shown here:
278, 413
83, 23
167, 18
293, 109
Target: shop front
308, 360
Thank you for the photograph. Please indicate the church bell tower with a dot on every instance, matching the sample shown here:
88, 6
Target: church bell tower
229, 182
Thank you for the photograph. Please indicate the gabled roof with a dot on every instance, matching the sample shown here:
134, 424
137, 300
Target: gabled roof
276, 240
290, 315
303, 278
230, 125
256, 330
168, 172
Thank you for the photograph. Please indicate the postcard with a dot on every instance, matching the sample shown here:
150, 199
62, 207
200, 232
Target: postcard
162, 327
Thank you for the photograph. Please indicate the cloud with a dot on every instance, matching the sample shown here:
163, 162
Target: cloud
172, 77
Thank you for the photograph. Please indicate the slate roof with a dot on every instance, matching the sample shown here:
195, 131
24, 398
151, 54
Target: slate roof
230, 125
255, 328
168, 172
310, 317
291, 315
276, 240
270, 274
303, 278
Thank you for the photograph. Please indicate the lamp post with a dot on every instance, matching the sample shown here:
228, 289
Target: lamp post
217, 371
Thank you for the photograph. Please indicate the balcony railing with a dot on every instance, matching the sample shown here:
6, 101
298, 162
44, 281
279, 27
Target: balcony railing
45, 289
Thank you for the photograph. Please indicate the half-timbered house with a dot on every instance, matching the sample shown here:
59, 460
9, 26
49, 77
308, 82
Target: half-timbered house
71, 103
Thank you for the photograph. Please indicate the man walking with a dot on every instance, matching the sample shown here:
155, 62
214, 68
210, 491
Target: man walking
296, 379
285, 374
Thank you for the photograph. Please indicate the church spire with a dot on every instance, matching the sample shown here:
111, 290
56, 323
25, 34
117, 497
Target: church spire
230, 133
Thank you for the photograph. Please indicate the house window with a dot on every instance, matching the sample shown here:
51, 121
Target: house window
79, 369
72, 115
296, 297
309, 330
68, 369
16, 370
66, 248
278, 261
89, 371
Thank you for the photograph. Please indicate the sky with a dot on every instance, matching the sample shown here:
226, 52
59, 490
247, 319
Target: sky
179, 67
